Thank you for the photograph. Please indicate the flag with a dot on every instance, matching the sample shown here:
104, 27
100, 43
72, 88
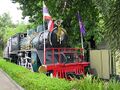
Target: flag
51, 25
82, 28
46, 16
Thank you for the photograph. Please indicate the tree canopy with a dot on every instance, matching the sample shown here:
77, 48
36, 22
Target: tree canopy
7, 28
100, 17
5, 21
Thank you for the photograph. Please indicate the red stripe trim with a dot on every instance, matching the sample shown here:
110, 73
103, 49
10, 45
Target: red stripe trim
51, 26
47, 17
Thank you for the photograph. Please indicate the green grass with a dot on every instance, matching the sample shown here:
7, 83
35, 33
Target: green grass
33, 81
1, 52
36, 81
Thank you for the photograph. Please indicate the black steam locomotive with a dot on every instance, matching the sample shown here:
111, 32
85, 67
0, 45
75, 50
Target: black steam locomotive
24, 45
27, 49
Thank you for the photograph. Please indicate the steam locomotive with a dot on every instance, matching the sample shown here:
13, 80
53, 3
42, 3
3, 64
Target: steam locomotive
27, 49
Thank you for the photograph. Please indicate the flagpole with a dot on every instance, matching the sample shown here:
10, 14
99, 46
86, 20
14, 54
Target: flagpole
82, 45
44, 38
81, 37
44, 41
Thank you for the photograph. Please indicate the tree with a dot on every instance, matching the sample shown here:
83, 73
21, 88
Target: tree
110, 10
67, 10
7, 28
10, 31
5, 21
113, 26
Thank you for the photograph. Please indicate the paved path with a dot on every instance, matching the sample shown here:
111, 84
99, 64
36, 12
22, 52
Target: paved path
6, 83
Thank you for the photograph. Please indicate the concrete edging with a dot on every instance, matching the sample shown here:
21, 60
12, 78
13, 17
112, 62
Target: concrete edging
16, 85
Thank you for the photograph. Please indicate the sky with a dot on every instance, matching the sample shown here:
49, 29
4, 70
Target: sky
12, 9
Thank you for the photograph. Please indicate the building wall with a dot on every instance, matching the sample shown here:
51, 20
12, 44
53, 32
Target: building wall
100, 60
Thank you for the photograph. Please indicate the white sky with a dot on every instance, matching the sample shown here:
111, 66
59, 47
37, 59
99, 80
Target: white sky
11, 8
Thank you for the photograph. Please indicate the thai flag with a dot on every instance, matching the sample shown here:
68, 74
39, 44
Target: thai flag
46, 16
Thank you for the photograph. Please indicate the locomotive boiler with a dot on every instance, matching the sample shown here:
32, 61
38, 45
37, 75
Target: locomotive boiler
27, 49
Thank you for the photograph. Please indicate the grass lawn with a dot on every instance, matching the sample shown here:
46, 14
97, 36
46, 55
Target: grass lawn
1, 51
36, 81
